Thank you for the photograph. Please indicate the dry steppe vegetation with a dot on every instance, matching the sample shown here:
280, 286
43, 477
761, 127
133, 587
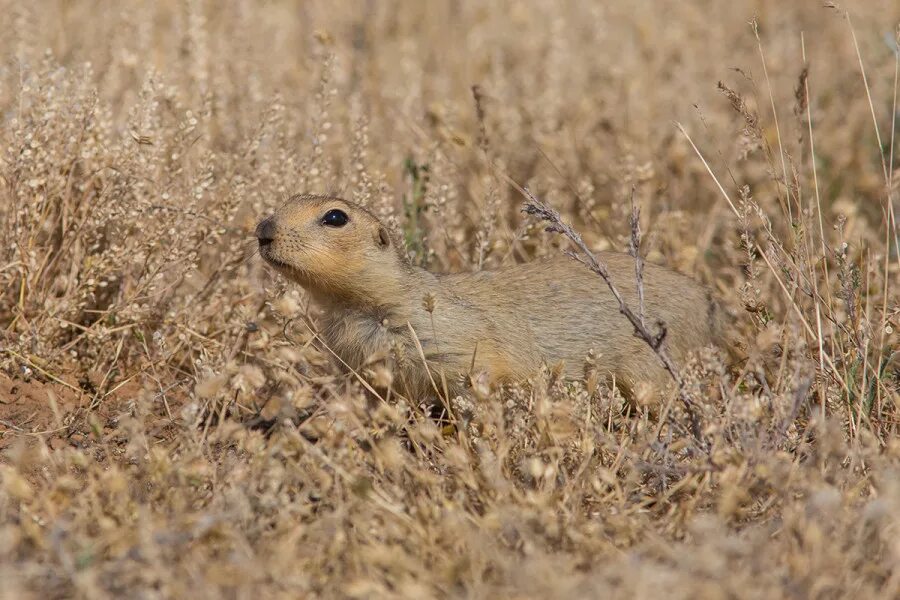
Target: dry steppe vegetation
169, 426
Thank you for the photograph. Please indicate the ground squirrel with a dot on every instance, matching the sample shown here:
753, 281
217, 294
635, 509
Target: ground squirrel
379, 308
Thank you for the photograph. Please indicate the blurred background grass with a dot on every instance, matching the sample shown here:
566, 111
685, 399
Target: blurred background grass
140, 335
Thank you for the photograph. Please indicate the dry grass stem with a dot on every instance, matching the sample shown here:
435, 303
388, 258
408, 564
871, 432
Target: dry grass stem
172, 425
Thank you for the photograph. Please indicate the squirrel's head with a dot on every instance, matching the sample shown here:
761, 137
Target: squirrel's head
334, 248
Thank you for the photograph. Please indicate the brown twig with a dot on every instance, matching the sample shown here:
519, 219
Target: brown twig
538, 209
634, 249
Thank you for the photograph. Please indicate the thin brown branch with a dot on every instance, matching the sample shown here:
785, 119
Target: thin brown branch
634, 249
656, 340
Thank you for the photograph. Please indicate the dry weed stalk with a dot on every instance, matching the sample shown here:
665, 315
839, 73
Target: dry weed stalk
655, 340
166, 430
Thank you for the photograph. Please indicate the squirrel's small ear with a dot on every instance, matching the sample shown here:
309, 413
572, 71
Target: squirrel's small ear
383, 238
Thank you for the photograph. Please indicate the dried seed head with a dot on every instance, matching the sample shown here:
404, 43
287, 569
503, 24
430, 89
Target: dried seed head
428, 302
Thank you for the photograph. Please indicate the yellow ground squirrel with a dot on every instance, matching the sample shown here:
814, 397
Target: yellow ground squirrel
505, 322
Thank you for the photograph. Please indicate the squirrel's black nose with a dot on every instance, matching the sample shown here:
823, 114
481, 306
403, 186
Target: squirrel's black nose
265, 231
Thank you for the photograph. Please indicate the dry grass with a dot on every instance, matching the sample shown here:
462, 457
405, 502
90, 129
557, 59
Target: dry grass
169, 428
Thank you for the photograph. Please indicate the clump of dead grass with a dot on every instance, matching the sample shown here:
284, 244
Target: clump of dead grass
196, 441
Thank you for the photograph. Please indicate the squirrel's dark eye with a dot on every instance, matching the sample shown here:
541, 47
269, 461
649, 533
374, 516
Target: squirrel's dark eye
335, 218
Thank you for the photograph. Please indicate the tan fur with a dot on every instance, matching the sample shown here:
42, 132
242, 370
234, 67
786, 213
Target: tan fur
506, 323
